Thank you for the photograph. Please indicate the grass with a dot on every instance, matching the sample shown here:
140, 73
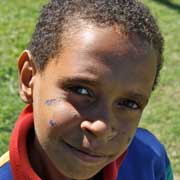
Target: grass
17, 20
163, 112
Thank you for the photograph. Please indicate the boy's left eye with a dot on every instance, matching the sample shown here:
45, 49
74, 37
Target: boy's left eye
129, 104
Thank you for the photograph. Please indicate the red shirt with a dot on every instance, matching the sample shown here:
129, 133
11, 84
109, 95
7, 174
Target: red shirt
21, 167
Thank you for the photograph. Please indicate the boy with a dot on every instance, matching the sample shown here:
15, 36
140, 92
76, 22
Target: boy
87, 76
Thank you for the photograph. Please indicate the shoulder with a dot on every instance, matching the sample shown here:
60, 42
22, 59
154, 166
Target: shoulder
145, 142
147, 158
5, 169
148, 148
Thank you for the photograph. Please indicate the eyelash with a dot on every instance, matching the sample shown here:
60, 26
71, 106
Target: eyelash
127, 103
76, 89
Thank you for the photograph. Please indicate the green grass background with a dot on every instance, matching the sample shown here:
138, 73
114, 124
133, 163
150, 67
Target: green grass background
162, 116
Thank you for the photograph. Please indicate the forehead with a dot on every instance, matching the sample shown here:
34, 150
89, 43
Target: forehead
110, 45
115, 35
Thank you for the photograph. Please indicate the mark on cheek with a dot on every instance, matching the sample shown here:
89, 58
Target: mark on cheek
52, 123
50, 102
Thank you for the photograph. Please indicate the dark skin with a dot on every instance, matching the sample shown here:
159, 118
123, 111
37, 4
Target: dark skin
99, 85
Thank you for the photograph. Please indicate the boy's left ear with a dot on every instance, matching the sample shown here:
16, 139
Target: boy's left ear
27, 72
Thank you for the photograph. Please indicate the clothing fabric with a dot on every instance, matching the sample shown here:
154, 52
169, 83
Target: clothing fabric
146, 158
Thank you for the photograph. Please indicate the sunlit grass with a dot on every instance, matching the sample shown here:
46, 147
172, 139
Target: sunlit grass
163, 112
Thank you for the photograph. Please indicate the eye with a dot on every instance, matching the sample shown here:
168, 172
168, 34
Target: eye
80, 90
129, 104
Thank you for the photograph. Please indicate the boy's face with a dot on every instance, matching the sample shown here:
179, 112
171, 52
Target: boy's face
88, 101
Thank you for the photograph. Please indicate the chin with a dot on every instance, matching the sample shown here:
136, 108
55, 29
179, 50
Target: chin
81, 176
78, 173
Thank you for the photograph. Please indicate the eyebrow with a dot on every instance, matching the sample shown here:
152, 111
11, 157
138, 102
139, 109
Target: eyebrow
79, 79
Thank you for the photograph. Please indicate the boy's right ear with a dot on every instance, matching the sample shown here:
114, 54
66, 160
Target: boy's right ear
27, 72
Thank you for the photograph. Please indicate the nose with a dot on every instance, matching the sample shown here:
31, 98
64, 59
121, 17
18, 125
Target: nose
99, 129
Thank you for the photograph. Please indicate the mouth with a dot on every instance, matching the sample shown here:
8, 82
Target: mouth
86, 156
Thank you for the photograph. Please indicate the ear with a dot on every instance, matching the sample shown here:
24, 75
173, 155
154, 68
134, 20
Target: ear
27, 72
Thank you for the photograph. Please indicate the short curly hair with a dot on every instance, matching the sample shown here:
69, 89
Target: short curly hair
57, 16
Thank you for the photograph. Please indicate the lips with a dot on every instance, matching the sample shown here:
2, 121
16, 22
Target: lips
85, 155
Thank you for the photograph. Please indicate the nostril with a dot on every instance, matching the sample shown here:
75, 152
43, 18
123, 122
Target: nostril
97, 128
86, 127
88, 132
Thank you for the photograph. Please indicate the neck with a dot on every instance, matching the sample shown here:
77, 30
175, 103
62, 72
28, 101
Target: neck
41, 164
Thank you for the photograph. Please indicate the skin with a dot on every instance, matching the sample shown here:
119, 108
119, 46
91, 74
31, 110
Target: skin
87, 102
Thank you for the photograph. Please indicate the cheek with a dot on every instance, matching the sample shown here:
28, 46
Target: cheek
122, 141
63, 119
125, 133
127, 137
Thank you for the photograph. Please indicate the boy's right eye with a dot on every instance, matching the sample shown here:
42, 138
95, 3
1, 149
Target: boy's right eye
80, 90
